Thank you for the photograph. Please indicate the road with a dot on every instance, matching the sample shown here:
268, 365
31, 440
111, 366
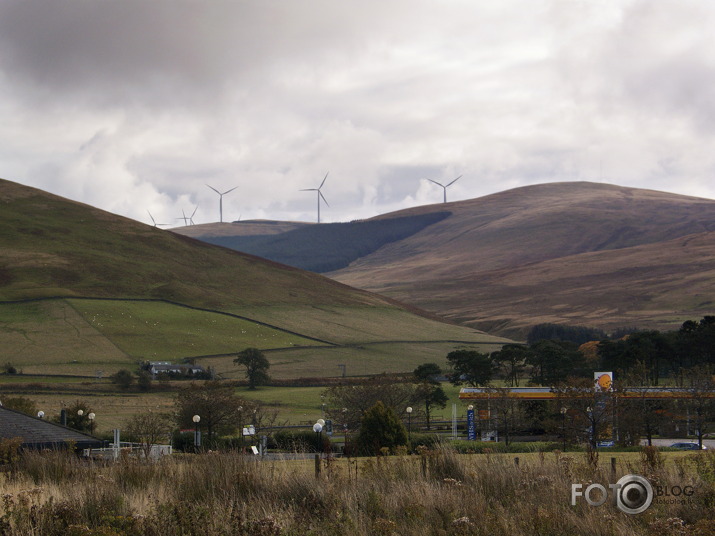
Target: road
709, 443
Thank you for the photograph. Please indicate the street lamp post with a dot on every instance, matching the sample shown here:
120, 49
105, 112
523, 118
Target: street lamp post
346, 448
409, 424
318, 428
240, 429
197, 433
79, 424
91, 417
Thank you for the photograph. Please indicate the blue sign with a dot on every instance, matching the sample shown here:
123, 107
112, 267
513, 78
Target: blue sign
471, 429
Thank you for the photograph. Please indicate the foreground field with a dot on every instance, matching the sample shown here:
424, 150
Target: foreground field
432, 493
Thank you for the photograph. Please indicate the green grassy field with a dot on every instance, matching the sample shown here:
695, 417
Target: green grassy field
358, 325
359, 360
162, 331
87, 337
50, 337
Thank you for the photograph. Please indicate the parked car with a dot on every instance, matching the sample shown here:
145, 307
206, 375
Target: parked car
687, 446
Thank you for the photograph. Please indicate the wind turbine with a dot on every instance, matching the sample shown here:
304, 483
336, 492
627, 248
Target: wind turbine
191, 218
154, 221
186, 220
320, 194
445, 187
220, 201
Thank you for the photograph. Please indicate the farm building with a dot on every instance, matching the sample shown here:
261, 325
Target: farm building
164, 367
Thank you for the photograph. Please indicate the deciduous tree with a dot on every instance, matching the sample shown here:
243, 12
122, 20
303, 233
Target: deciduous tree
148, 429
700, 384
217, 405
348, 403
256, 366
123, 378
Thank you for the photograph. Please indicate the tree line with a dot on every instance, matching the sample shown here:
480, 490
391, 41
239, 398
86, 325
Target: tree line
653, 354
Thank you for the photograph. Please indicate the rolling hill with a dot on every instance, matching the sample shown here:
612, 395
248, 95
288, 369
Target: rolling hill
83, 290
322, 248
572, 253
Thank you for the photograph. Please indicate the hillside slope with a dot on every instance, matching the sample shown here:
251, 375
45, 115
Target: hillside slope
82, 291
56, 247
322, 248
577, 253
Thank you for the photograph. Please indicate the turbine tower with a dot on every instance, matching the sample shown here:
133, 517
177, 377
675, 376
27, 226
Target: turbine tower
183, 217
320, 194
220, 201
191, 218
154, 221
445, 187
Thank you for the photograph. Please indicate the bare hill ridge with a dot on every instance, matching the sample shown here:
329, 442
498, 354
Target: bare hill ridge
56, 247
579, 253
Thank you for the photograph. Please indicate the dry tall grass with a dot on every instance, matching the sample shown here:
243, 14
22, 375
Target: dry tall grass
433, 493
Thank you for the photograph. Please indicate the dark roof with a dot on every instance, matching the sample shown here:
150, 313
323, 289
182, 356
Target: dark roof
170, 367
39, 433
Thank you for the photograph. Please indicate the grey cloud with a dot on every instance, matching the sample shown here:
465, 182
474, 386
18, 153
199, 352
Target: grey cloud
163, 96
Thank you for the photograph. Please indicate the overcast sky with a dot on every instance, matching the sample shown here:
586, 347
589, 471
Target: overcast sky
134, 106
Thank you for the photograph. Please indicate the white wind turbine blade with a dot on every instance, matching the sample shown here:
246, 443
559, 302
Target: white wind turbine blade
324, 179
455, 180
323, 197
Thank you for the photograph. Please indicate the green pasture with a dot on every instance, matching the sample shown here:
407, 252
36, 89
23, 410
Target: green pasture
162, 331
84, 337
346, 325
359, 360
299, 405
50, 337
98, 337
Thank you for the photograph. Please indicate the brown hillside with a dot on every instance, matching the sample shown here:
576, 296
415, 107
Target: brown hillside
577, 253
51, 246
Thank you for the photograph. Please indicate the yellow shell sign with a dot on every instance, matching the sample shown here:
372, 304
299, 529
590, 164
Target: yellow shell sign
603, 380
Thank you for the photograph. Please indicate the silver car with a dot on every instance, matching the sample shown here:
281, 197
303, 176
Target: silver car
687, 446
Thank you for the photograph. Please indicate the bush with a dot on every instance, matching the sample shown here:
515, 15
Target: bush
425, 440
123, 378
381, 429
299, 441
